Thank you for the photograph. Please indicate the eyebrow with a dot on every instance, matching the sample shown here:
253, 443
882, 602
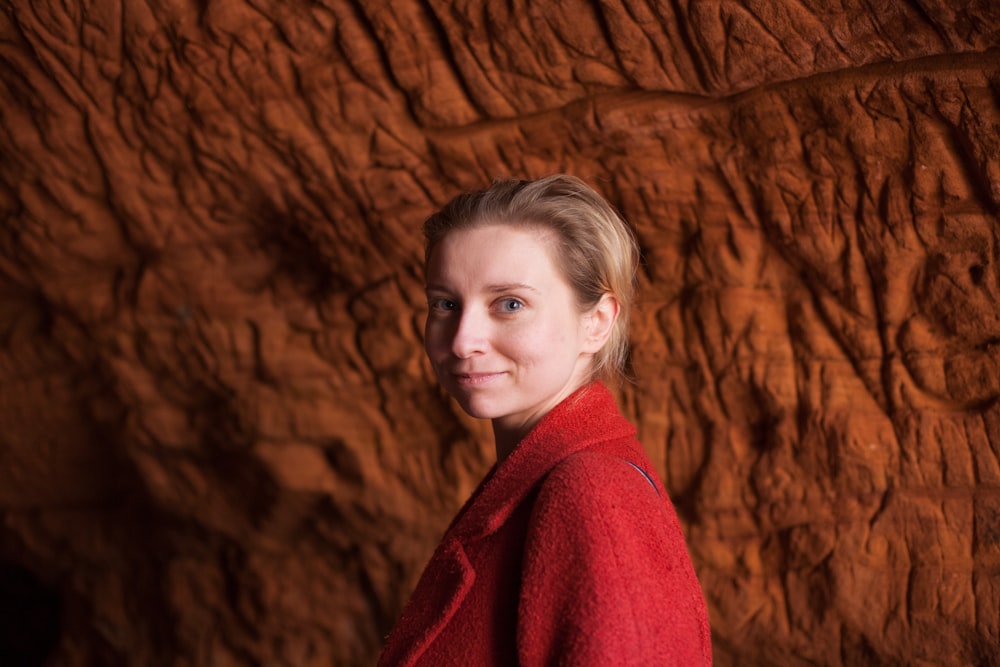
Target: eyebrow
500, 287
507, 287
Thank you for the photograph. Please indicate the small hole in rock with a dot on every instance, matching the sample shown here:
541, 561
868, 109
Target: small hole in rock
976, 272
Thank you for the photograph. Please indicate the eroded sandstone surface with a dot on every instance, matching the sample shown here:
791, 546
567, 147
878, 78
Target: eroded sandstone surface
220, 442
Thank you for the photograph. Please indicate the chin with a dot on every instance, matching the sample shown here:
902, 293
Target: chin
479, 409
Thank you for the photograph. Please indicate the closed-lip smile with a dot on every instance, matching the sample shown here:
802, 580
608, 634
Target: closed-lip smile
472, 379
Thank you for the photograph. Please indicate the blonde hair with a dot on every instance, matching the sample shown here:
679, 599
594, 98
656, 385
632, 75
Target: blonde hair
597, 250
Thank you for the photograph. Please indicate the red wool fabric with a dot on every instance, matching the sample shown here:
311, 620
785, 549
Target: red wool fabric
564, 555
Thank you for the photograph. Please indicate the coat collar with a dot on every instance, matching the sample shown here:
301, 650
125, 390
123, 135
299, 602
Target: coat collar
587, 416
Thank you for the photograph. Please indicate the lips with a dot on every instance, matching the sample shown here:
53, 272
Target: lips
475, 379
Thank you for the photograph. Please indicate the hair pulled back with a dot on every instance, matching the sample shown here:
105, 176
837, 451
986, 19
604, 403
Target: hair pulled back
597, 251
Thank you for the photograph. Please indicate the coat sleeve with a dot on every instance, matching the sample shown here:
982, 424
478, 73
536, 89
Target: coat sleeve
606, 576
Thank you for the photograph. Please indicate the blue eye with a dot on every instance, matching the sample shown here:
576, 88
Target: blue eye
445, 305
510, 305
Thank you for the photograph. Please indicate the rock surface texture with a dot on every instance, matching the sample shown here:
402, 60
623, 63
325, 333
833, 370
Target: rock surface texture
221, 444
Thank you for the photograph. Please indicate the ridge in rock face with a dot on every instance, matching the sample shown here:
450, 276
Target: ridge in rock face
221, 443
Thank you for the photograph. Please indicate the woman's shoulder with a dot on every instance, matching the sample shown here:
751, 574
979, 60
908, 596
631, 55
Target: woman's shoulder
597, 503
603, 476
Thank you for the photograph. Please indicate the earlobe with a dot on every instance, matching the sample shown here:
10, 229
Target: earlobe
601, 321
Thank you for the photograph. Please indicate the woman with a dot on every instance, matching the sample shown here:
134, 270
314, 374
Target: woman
569, 552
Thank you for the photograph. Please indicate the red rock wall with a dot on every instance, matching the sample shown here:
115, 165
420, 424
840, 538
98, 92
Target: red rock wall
221, 444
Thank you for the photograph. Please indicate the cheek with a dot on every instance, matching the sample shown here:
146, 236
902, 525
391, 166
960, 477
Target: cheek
535, 344
560, 330
434, 337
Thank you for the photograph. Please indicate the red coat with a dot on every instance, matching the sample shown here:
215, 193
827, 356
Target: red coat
564, 555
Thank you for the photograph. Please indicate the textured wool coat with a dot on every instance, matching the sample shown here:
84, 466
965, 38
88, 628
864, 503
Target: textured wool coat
566, 554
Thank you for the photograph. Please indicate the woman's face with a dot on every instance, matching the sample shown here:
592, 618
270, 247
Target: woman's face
504, 333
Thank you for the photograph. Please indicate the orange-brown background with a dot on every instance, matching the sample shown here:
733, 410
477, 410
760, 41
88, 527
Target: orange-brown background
220, 443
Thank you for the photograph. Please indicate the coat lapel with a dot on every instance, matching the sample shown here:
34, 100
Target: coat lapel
437, 597
576, 423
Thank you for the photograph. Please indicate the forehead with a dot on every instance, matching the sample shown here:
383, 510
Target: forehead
493, 251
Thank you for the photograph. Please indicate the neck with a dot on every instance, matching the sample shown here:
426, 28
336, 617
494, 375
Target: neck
505, 441
507, 435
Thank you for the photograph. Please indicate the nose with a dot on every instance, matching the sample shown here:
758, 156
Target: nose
471, 334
